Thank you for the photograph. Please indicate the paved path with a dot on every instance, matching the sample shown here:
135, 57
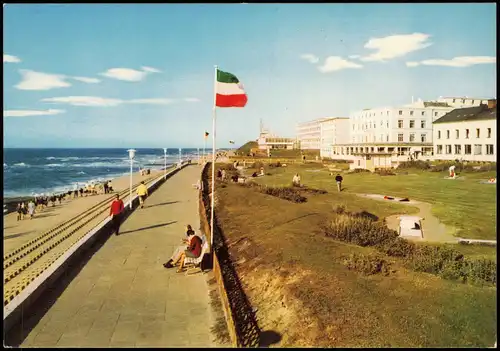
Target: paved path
123, 296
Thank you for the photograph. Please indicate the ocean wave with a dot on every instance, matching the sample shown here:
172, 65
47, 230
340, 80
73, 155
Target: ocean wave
81, 172
54, 165
64, 159
5, 165
21, 164
50, 158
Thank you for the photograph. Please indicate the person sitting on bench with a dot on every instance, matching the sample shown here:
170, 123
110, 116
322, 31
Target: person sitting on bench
192, 248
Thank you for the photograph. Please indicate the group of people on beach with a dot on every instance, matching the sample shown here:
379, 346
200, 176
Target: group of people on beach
91, 188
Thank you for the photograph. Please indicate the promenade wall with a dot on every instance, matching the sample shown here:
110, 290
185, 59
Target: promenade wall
19, 306
240, 317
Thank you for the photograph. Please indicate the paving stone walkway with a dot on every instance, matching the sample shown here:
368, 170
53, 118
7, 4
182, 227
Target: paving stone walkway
123, 297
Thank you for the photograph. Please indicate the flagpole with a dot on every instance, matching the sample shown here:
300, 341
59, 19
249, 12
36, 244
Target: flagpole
213, 161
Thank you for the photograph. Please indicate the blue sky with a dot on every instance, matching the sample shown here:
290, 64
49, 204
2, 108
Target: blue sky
142, 75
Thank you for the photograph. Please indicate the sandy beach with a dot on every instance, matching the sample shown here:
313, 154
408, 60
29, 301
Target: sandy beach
18, 232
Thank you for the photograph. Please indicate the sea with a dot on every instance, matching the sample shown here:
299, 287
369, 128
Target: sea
27, 172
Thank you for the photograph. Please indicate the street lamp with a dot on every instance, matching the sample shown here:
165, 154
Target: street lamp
165, 158
180, 155
198, 155
131, 154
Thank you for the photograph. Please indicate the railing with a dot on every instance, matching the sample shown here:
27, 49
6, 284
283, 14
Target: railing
240, 317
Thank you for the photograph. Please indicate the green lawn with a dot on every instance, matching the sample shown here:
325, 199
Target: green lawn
295, 278
463, 203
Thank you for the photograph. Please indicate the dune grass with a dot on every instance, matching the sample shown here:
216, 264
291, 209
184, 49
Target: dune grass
271, 237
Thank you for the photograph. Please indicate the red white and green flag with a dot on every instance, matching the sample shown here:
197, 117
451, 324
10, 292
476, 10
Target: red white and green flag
229, 91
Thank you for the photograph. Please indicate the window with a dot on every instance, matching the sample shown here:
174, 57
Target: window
412, 124
467, 149
381, 123
457, 134
463, 101
489, 149
454, 100
447, 134
387, 124
472, 102
400, 123
423, 113
439, 149
466, 134
412, 137
477, 149
489, 132
400, 112
411, 113
387, 137
458, 149
448, 149
435, 114
422, 124
439, 134
400, 137
423, 138
477, 132
387, 113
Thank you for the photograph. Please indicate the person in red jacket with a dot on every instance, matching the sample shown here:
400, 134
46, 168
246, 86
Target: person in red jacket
116, 213
193, 250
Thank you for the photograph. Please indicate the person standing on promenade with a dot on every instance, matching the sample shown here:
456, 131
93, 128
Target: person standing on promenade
105, 185
142, 191
339, 179
116, 213
19, 211
31, 208
110, 187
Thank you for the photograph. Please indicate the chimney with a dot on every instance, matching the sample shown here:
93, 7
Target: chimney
492, 103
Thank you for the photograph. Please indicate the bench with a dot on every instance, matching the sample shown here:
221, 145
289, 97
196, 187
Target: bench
195, 263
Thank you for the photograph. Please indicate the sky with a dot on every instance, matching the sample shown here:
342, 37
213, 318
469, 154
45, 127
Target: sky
142, 75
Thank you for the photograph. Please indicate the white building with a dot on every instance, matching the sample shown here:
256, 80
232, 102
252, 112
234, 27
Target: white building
383, 137
269, 141
467, 134
309, 134
333, 131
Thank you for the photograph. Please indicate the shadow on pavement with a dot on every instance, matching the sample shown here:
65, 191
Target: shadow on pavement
268, 338
18, 333
164, 203
150, 227
12, 236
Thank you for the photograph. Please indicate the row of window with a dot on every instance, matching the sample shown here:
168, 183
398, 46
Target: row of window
400, 112
467, 148
423, 137
412, 123
467, 133
422, 113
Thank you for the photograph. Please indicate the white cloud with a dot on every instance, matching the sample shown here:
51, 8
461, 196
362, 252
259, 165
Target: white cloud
395, 46
32, 80
27, 113
354, 56
128, 74
10, 58
337, 63
459, 61
150, 69
191, 99
87, 80
84, 101
154, 101
310, 57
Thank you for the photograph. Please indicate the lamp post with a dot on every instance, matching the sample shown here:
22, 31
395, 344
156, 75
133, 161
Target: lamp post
131, 154
198, 155
180, 155
165, 159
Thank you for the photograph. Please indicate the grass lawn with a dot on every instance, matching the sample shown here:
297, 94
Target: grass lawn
465, 203
294, 276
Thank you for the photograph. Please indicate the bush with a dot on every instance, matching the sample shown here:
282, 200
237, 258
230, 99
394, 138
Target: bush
384, 172
367, 264
313, 191
415, 164
399, 247
360, 170
285, 193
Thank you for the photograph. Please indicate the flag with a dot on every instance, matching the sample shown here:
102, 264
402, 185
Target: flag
229, 91
206, 135
231, 142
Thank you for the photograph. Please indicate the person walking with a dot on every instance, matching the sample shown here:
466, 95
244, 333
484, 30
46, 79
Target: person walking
105, 185
339, 179
31, 208
19, 211
142, 191
116, 214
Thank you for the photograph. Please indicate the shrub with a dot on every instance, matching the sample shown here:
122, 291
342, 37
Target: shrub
399, 247
367, 264
384, 172
415, 164
313, 191
286, 193
360, 170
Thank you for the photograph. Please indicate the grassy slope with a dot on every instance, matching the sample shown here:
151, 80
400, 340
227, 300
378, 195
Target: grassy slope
316, 301
465, 204
245, 149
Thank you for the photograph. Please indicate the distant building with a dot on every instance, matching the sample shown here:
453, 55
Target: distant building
467, 134
333, 131
463, 101
309, 134
384, 137
269, 141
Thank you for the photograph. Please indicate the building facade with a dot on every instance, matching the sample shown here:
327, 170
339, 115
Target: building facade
467, 134
463, 101
384, 137
333, 131
309, 134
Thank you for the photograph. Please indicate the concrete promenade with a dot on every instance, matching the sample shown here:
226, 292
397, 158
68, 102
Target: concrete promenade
120, 295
